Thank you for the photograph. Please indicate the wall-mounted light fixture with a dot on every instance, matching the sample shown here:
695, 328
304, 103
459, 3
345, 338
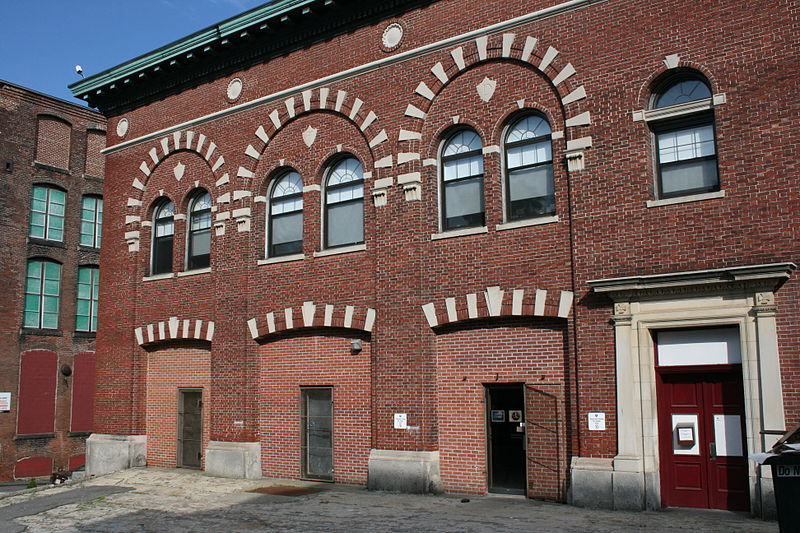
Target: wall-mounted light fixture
355, 346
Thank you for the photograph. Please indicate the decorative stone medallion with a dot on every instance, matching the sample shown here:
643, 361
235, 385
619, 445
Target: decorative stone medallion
392, 36
310, 135
122, 127
235, 89
486, 89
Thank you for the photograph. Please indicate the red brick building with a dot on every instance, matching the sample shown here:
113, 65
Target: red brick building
51, 178
531, 247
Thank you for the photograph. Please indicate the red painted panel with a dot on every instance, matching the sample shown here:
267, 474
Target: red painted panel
37, 392
33, 467
688, 475
77, 461
83, 392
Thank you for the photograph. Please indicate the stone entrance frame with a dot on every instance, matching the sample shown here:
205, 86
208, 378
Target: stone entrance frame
738, 296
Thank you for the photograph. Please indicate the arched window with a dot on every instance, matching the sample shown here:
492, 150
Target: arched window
285, 219
199, 255
529, 169
685, 140
344, 204
163, 231
462, 181
42, 294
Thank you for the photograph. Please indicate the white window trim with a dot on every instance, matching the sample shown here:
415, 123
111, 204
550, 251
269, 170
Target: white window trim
538, 221
341, 250
459, 233
686, 199
185, 273
156, 277
281, 259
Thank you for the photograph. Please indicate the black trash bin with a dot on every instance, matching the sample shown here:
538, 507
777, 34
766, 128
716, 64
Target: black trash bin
786, 481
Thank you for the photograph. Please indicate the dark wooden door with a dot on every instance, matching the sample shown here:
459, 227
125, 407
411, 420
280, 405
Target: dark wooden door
190, 428
702, 439
317, 437
506, 436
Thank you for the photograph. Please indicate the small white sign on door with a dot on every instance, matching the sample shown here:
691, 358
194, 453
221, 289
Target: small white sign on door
597, 421
728, 435
400, 421
685, 423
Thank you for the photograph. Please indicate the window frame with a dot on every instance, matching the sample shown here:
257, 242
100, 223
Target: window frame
41, 295
507, 170
271, 217
443, 184
94, 288
48, 215
154, 248
97, 222
199, 261
685, 116
326, 205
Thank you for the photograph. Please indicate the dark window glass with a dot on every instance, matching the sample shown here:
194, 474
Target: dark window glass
462, 181
344, 204
686, 146
530, 191
199, 232
163, 231
286, 216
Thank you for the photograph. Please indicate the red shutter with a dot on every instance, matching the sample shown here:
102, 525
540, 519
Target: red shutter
82, 392
37, 392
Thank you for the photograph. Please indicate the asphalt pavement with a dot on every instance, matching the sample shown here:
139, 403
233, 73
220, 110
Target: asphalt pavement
158, 500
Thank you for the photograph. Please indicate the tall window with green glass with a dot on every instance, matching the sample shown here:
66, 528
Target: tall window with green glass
86, 308
91, 221
42, 290
47, 213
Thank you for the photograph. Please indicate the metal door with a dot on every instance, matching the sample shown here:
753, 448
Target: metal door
190, 428
702, 439
317, 433
505, 412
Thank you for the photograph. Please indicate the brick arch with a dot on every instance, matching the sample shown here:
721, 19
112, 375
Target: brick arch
174, 329
313, 315
316, 100
505, 47
179, 141
495, 302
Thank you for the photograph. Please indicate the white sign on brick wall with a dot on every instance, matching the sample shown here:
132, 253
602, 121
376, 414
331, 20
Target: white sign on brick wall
5, 401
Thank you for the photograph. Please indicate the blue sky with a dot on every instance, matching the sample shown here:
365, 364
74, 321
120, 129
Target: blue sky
43, 40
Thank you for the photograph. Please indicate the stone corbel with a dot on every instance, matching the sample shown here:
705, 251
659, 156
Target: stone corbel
380, 190
219, 222
242, 217
575, 160
132, 239
412, 185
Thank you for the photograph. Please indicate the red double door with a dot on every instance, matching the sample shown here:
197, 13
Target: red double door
702, 443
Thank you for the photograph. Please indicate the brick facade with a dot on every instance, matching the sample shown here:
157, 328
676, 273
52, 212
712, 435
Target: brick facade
454, 312
44, 143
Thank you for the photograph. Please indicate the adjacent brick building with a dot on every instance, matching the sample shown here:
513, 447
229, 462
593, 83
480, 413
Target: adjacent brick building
52, 184
464, 245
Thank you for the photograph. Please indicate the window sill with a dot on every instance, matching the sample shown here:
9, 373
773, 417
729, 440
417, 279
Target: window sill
194, 272
41, 332
156, 277
45, 166
686, 199
341, 250
85, 334
79, 434
91, 249
538, 221
45, 242
281, 259
459, 233
93, 178
32, 436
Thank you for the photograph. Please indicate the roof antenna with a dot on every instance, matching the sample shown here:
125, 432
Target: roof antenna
79, 70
